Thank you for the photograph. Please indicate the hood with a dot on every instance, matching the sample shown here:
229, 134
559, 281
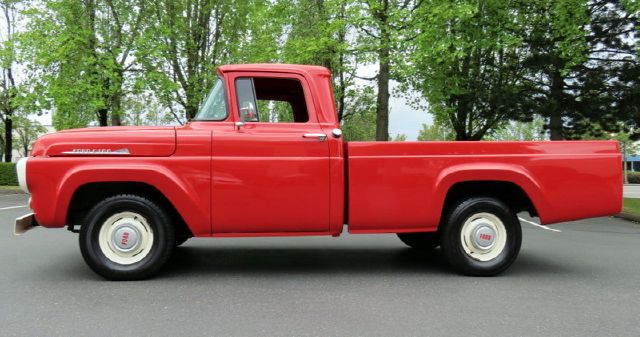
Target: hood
121, 141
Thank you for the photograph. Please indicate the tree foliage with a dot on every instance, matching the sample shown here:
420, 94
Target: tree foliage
487, 69
186, 40
580, 56
518, 130
483, 63
360, 122
385, 29
9, 87
436, 131
82, 54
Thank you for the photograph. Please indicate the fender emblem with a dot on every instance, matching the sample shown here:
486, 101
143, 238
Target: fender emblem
122, 151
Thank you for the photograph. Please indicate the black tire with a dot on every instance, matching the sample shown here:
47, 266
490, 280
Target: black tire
422, 241
453, 247
159, 248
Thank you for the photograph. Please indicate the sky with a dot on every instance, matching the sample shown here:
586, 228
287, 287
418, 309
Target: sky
405, 119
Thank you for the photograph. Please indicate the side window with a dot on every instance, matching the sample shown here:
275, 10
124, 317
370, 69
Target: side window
271, 100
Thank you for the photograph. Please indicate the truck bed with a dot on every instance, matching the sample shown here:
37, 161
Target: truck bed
401, 186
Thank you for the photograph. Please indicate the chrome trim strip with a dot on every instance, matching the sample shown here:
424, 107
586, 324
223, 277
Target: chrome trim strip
93, 152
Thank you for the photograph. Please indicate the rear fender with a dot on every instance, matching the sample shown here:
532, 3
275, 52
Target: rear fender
515, 174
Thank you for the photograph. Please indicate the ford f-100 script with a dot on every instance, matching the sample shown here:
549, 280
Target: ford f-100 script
264, 156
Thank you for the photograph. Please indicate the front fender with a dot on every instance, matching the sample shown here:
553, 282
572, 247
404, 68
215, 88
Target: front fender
185, 186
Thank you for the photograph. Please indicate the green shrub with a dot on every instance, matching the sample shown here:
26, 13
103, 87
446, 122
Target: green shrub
633, 177
8, 176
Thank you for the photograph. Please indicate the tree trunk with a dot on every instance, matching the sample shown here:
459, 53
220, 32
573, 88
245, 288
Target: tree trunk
8, 136
191, 110
25, 147
555, 113
384, 73
115, 117
341, 94
102, 116
555, 125
115, 101
341, 89
116, 106
382, 101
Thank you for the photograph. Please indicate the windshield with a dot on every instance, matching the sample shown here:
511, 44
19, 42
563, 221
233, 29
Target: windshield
215, 106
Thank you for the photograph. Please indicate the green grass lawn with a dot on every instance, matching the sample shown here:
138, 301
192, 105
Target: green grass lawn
9, 188
631, 206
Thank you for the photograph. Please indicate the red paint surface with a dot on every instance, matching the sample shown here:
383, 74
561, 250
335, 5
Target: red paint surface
565, 180
266, 179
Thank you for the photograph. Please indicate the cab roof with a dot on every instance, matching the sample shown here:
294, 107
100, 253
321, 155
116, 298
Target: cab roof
275, 67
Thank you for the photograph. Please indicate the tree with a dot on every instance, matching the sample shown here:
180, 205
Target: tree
82, 55
185, 42
385, 26
9, 89
27, 130
467, 64
580, 55
359, 123
318, 35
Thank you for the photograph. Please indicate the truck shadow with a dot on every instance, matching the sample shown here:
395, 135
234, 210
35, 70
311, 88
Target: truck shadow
223, 261
260, 260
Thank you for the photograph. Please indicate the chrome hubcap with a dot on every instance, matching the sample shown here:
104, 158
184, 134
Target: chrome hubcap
483, 236
125, 238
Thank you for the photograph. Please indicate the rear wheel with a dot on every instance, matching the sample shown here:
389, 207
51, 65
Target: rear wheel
481, 236
126, 237
423, 241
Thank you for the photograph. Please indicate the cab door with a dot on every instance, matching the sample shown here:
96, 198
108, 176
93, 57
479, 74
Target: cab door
271, 173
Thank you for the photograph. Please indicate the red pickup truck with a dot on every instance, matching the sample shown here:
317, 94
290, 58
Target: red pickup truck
265, 157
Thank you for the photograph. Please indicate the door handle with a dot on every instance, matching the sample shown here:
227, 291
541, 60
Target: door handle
320, 136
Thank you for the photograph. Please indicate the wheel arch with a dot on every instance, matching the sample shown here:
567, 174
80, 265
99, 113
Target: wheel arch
507, 192
90, 194
512, 185
85, 180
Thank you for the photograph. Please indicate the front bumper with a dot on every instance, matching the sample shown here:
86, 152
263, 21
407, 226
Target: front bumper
24, 223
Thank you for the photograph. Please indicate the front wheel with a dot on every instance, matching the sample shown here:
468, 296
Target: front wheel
126, 237
481, 236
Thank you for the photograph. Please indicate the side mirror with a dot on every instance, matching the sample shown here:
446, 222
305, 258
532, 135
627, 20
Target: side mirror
248, 112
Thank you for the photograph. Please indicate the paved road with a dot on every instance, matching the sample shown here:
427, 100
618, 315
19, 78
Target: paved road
632, 191
583, 281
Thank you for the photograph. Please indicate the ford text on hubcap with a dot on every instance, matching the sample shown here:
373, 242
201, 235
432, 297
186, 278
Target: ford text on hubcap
125, 238
483, 236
